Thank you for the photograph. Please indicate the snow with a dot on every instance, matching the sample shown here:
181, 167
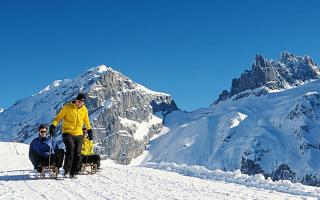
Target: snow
153, 181
237, 119
217, 137
311, 93
103, 68
142, 88
54, 84
142, 128
163, 131
1, 110
237, 177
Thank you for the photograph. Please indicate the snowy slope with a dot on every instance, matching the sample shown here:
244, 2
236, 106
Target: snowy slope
276, 134
136, 182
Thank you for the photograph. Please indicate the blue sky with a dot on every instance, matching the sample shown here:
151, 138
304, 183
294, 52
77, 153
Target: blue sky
190, 49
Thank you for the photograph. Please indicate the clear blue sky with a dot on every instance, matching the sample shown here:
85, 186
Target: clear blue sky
190, 49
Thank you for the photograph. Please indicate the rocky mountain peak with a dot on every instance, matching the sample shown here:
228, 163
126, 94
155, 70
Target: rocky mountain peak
268, 75
123, 113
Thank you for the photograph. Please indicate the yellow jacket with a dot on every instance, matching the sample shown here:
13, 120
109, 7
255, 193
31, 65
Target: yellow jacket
87, 147
73, 119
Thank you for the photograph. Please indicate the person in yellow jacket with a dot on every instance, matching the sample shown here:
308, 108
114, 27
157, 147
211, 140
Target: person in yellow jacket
73, 114
87, 154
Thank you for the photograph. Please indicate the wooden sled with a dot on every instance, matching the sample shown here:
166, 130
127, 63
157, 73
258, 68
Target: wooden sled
49, 172
89, 168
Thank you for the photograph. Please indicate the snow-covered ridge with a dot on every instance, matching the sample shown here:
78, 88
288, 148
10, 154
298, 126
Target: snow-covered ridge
89, 76
141, 87
54, 84
103, 69
92, 73
275, 134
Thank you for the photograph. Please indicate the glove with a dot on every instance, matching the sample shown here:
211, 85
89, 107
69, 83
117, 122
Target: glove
90, 134
51, 130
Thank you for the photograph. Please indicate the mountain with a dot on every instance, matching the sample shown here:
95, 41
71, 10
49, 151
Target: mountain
165, 181
267, 76
124, 114
275, 133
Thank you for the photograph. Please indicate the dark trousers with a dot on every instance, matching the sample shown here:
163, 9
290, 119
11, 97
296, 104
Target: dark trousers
91, 159
56, 159
72, 161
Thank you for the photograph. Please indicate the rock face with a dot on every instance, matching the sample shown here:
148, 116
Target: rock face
267, 75
123, 114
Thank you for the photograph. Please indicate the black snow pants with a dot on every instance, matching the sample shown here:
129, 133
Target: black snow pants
37, 160
72, 161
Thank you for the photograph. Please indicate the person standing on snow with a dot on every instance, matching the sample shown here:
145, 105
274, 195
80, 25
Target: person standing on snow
39, 151
73, 114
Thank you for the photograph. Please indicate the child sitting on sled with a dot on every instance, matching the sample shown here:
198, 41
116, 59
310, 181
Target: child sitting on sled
87, 154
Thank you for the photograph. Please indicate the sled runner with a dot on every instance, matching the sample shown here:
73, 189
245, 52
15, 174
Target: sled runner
50, 172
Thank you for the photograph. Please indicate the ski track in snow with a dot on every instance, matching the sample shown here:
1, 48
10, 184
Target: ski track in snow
17, 181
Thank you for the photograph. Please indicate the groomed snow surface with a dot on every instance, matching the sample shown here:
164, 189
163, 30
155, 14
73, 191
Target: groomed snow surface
151, 181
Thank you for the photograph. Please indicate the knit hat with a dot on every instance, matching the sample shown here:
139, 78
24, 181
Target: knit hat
81, 97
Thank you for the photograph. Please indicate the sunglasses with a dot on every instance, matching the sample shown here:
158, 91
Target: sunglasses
43, 131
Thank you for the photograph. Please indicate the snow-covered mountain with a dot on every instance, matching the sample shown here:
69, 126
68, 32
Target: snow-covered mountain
122, 112
275, 133
153, 181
